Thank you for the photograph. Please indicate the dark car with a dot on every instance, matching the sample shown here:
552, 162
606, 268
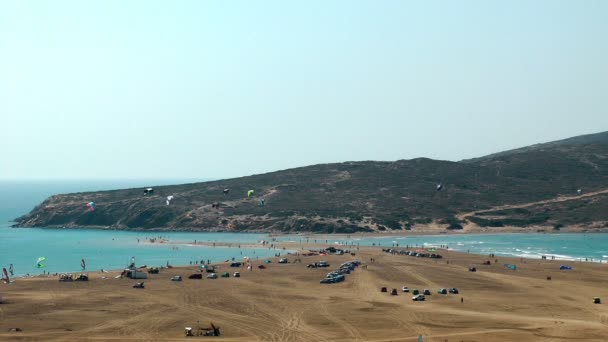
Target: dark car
327, 281
339, 278
454, 290
426, 292
235, 264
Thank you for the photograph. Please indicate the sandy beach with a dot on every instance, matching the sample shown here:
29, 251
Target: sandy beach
286, 302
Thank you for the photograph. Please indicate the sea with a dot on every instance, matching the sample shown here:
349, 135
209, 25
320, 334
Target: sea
63, 249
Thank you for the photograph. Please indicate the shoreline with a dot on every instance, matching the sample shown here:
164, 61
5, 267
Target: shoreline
292, 245
470, 231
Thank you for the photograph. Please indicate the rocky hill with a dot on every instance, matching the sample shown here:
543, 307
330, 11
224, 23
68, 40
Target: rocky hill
367, 196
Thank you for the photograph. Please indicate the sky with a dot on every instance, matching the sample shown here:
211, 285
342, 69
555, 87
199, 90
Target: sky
218, 89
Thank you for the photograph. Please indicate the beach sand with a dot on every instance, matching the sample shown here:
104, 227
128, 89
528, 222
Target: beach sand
285, 302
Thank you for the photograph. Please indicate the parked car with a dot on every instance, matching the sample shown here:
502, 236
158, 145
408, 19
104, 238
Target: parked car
138, 286
235, 264
283, 261
426, 292
327, 281
195, 276
394, 292
415, 292
405, 289
323, 264
237, 274
212, 276
597, 300
454, 290
383, 289
176, 278
225, 275
418, 298
442, 291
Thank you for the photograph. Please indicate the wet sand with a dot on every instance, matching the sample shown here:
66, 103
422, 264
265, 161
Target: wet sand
285, 302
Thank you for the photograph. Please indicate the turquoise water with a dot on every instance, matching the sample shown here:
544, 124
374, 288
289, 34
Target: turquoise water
63, 249
534, 245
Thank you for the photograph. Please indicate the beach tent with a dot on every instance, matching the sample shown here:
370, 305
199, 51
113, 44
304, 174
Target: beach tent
511, 266
564, 267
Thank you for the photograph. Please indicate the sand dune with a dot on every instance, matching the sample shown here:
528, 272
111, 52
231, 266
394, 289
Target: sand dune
286, 303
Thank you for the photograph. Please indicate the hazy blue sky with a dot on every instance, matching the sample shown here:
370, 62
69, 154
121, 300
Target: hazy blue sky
199, 89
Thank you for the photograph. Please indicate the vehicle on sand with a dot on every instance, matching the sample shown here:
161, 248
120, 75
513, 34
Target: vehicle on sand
426, 292
394, 292
383, 289
212, 276
138, 286
203, 331
82, 277
225, 275
283, 261
237, 274
442, 291
177, 278
418, 298
454, 290
195, 276
597, 300
66, 277
405, 289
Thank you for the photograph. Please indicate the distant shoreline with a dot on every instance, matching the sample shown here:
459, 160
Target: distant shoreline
486, 231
